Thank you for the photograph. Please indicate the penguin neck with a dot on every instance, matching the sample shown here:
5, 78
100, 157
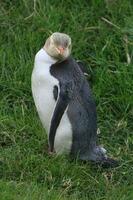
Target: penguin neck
43, 56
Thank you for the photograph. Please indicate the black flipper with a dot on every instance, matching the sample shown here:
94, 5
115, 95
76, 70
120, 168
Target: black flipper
66, 90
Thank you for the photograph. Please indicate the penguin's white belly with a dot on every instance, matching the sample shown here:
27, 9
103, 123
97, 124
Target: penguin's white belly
63, 138
42, 88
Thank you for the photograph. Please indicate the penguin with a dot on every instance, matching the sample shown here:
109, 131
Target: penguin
65, 103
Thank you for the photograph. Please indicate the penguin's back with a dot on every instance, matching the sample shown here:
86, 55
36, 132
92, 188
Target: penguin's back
81, 109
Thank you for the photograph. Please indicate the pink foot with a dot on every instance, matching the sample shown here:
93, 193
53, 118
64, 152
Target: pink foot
51, 152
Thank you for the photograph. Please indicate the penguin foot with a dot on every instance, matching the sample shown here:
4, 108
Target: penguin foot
51, 153
108, 163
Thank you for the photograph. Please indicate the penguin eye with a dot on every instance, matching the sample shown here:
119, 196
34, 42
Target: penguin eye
65, 44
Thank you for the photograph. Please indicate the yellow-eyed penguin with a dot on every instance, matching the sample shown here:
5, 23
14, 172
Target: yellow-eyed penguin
64, 102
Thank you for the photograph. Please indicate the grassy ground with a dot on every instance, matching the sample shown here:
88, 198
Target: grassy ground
26, 171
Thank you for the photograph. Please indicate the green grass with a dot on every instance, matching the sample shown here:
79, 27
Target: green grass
26, 171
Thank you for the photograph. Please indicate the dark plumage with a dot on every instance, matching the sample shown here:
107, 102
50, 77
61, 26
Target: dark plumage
76, 96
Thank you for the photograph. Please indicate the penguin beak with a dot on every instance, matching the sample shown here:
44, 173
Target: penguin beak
60, 50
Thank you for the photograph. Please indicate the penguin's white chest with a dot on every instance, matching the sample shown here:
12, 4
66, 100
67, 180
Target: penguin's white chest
42, 89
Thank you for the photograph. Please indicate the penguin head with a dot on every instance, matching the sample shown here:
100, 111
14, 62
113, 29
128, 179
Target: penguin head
58, 46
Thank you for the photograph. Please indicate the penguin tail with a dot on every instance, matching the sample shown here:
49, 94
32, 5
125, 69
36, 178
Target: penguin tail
99, 156
108, 163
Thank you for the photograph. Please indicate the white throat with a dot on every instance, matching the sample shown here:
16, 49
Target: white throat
43, 56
